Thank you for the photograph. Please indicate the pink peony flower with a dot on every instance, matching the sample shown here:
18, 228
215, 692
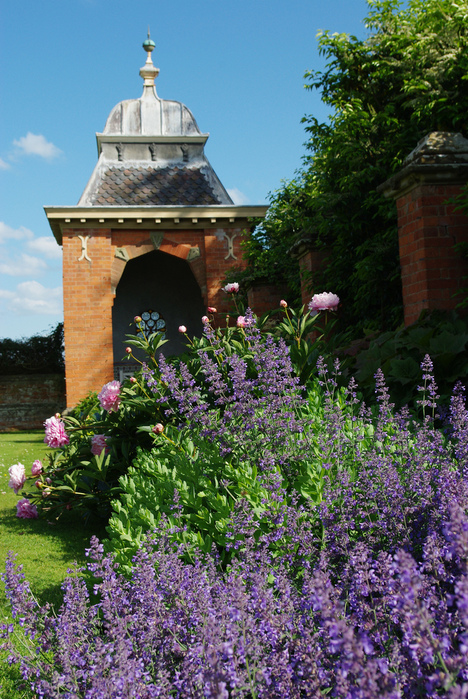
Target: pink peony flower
26, 509
211, 309
109, 397
325, 301
182, 329
98, 443
17, 477
232, 288
243, 322
36, 468
55, 435
158, 428
283, 304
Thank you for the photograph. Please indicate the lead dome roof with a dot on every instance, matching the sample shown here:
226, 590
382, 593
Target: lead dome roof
151, 152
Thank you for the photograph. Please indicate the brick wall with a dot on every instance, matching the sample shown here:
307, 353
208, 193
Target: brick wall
26, 401
266, 297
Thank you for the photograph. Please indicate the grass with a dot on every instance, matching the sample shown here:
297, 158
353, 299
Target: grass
44, 549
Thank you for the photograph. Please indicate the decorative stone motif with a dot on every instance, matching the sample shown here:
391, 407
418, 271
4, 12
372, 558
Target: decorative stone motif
84, 248
230, 244
156, 239
122, 254
193, 253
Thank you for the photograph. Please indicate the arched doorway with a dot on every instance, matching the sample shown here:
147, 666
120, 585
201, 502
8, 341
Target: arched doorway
164, 287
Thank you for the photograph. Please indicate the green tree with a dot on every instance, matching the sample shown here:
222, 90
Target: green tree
385, 92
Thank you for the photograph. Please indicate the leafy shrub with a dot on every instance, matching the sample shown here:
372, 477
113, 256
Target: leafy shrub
39, 354
440, 334
243, 424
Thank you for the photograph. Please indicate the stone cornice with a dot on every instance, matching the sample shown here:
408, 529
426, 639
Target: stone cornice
122, 138
150, 217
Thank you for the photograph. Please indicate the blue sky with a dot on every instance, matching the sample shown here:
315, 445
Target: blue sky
237, 64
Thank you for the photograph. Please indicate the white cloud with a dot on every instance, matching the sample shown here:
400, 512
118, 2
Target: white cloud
238, 197
32, 298
36, 144
23, 265
47, 246
9, 233
4, 165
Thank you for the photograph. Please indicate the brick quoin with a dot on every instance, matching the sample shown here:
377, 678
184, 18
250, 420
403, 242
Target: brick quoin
429, 229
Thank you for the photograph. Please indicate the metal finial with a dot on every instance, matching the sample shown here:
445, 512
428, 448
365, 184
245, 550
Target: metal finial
148, 44
149, 72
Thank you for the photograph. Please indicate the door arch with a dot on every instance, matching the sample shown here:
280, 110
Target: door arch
164, 284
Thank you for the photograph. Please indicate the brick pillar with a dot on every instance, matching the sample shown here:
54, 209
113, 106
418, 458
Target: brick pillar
263, 297
87, 300
223, 251
429, 228
311, 261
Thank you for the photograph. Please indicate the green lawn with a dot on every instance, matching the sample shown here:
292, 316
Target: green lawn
45, 549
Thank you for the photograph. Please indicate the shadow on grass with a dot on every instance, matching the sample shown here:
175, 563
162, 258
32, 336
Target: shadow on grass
46, 550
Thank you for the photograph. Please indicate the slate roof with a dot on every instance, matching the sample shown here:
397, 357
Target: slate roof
134, 186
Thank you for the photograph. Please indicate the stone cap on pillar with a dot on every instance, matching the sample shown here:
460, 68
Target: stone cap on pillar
441, 157
302, 246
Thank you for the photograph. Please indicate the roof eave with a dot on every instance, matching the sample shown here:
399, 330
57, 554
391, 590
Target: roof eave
150, 217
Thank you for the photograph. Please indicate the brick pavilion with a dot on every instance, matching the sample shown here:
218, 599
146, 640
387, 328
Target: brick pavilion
152, 235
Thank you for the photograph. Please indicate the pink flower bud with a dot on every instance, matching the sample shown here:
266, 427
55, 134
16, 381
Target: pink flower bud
39, 484
205, 319
158, 428
241, 322
182, 329
211, 309
283, 303
137, 319
133, 379
128, 350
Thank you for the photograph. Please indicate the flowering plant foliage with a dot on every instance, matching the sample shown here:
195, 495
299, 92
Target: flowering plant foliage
302, 547
365, 596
